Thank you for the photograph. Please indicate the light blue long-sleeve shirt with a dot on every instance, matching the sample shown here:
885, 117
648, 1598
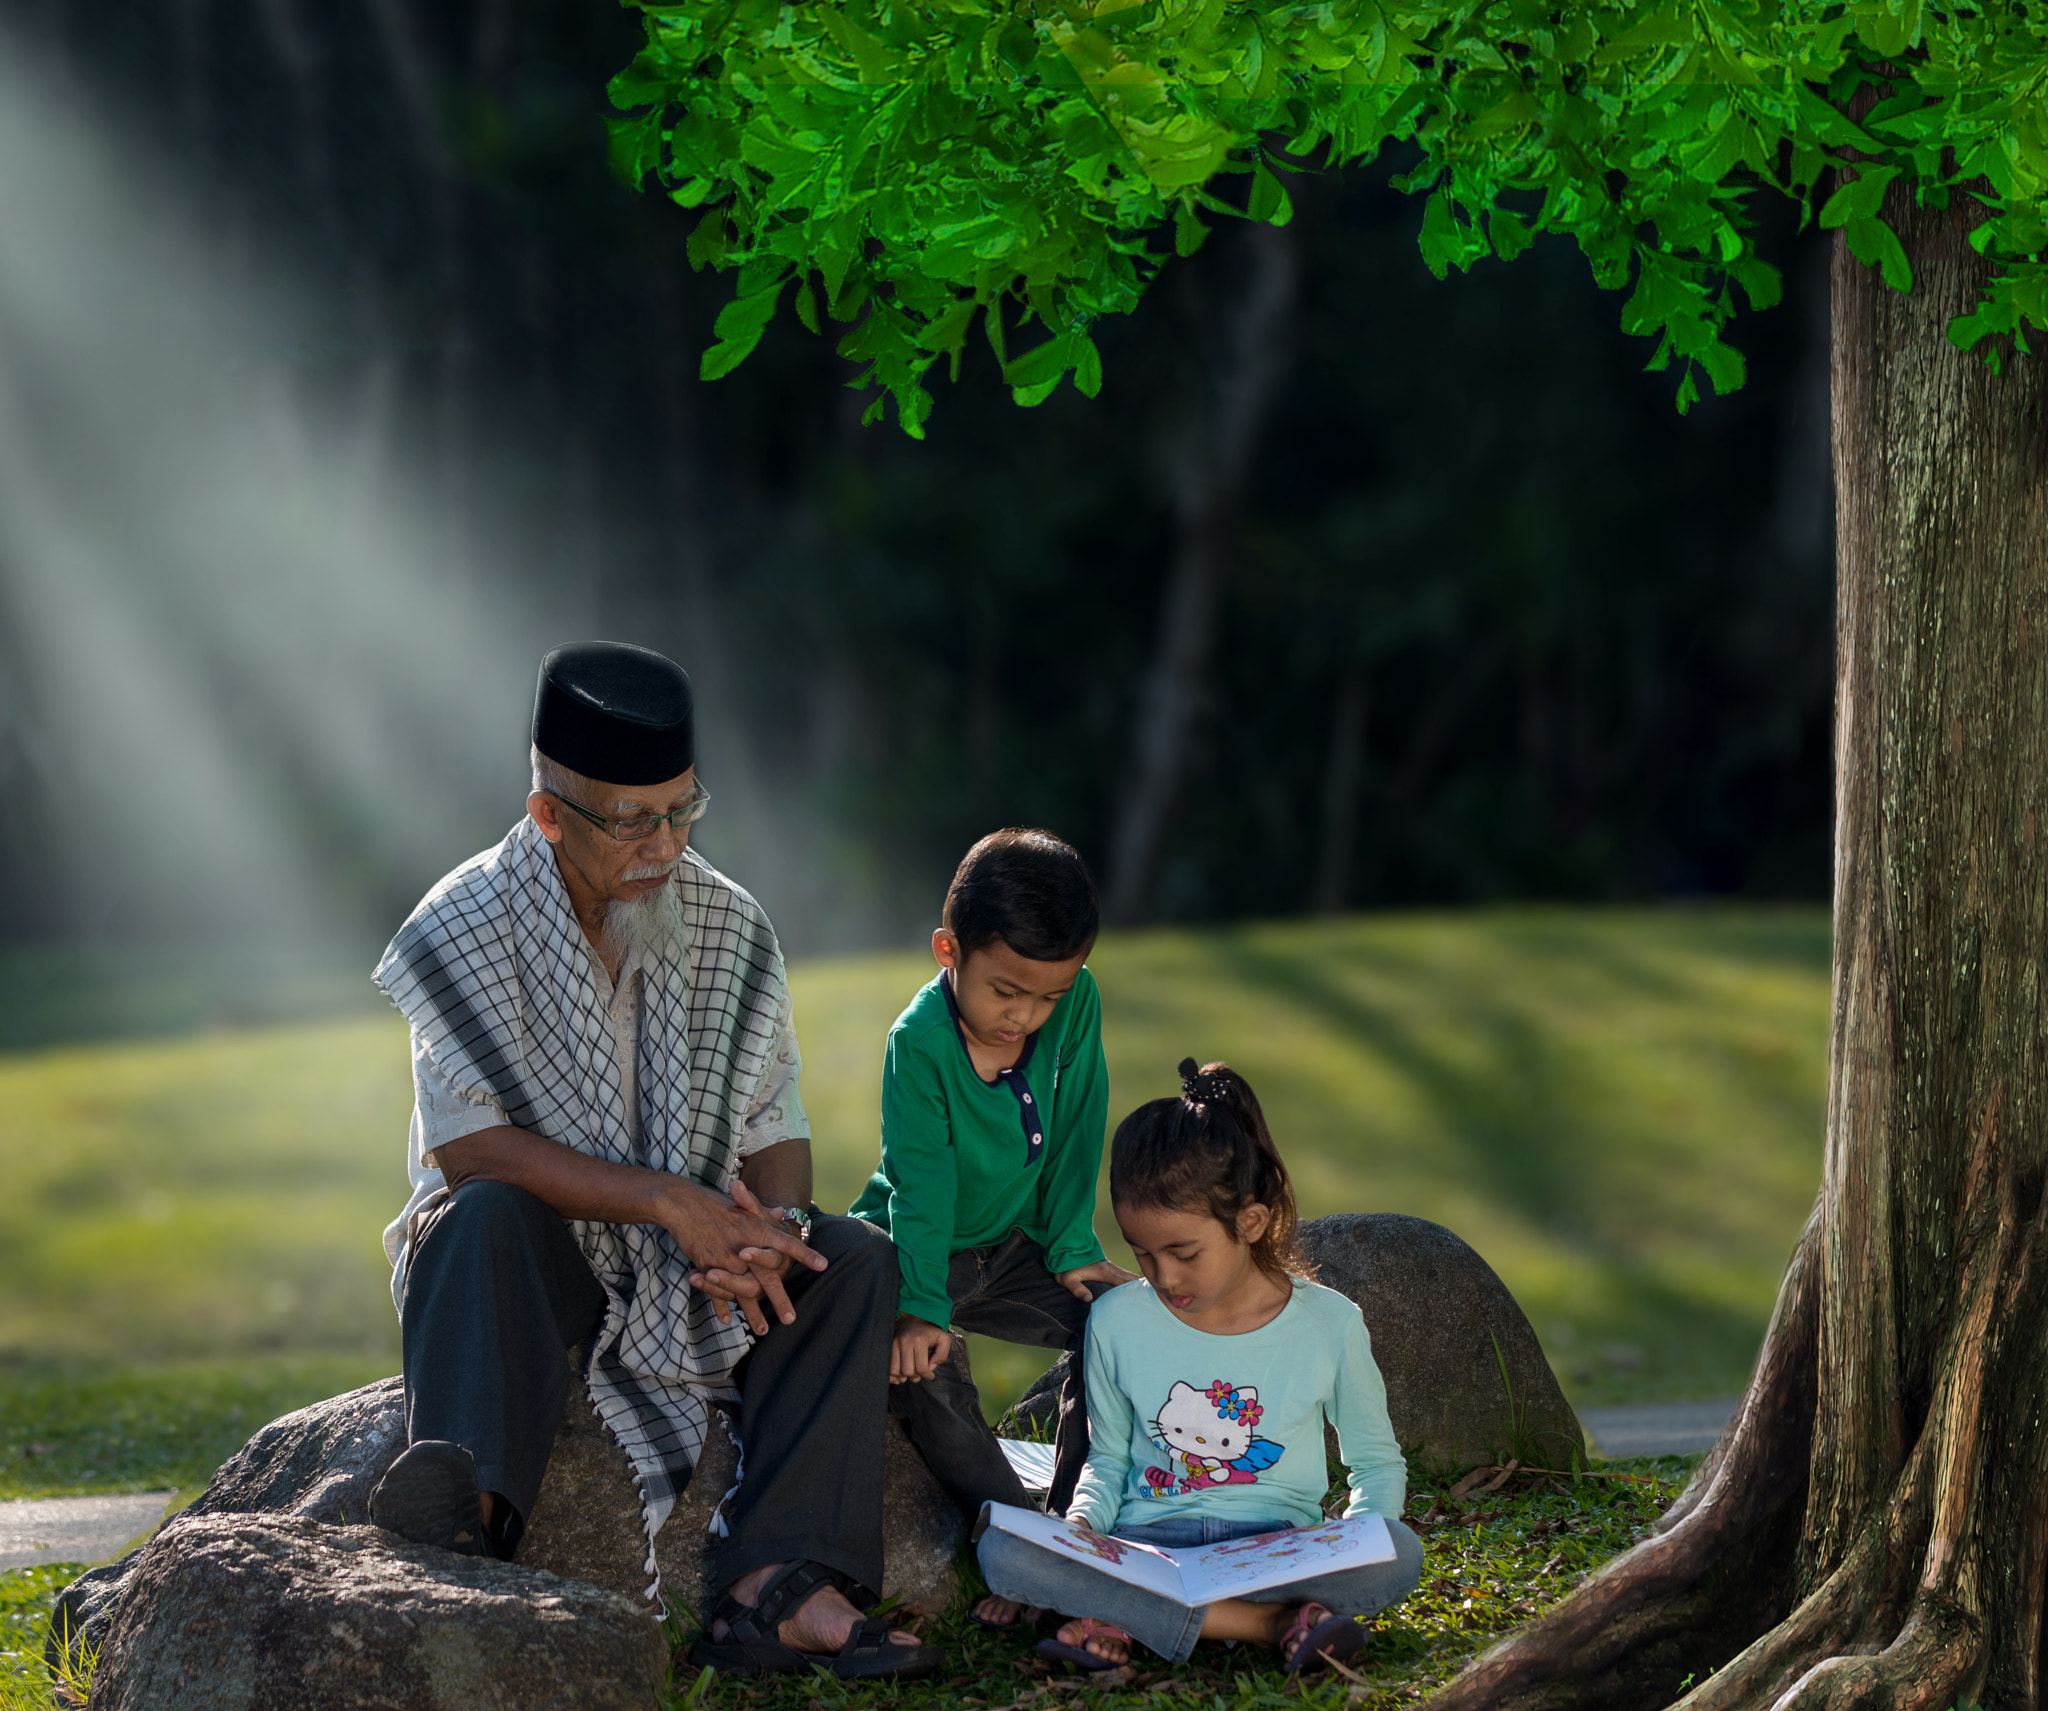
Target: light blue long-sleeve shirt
1185, 1422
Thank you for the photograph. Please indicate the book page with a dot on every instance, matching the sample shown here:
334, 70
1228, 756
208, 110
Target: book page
1140, 1565
1241, 1567
1031, 1463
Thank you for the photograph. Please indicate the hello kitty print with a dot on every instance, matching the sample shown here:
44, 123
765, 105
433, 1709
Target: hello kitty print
1210, 1438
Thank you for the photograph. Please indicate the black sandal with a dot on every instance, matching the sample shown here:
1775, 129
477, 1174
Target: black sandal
869, 1652
429, 1496
1322, 1640
752, 1647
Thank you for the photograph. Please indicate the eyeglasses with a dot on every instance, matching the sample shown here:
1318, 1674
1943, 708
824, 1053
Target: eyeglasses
638, 826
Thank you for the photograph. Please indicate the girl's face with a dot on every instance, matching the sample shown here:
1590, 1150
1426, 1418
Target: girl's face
1196, 1264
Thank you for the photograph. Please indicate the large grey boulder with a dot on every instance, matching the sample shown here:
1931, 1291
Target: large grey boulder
322, 1463
319, 1464
1437, 1312
255, 1612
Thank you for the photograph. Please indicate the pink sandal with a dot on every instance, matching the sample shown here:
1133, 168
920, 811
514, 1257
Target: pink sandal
1080, 1656
1314, 1638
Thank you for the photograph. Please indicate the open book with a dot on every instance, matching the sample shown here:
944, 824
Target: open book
1202, 1574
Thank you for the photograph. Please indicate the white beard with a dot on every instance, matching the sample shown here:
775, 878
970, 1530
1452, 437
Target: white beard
642, 927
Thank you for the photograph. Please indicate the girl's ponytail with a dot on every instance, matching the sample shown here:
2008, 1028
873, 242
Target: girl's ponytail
1208, 1151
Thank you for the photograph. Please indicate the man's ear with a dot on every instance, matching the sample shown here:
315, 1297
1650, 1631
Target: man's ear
945, 947
546, 814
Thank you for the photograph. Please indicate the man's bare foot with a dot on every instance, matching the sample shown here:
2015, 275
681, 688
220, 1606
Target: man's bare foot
820, 1624
994, 1612
1087, 1634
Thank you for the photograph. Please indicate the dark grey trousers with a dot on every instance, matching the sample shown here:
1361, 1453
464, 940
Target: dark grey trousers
498, 1292
1005, 1292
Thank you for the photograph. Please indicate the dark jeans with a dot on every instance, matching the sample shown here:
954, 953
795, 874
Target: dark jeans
498, 1291
1005, 1292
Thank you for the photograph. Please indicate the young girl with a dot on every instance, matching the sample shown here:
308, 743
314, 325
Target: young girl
1208, 1385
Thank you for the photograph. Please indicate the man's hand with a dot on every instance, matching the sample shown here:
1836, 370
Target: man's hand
1105, 1273
738, 1251
919, 1349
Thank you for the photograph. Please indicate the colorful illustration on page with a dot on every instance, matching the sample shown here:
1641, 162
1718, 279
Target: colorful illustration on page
1280, 1546
1098, 1545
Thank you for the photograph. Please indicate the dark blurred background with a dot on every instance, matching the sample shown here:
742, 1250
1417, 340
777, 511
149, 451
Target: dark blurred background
338, 377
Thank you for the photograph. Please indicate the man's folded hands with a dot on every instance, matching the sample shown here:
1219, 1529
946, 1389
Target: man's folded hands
741, 1250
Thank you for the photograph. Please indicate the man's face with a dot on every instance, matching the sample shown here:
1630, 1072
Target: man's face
599, 866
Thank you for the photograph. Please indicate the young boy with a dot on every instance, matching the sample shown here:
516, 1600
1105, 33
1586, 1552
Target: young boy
994, 1100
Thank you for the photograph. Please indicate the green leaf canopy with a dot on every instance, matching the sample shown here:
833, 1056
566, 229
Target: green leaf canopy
922, 163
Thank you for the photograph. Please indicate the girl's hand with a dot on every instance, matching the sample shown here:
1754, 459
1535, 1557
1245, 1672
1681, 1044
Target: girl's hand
1105, 1274
918, 1349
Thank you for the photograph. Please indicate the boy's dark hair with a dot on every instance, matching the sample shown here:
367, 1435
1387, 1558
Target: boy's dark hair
1208, 1151
1029, 889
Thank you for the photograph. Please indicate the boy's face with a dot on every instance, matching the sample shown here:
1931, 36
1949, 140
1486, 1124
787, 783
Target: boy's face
1002, 997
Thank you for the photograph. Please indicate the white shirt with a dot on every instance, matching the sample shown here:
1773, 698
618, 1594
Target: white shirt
440, 1114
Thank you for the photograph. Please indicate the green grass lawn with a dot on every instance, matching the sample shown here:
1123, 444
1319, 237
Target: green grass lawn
1621, 1110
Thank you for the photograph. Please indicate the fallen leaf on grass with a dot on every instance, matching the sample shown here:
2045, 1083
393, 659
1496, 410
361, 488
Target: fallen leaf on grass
1342, 1669
1470, 1481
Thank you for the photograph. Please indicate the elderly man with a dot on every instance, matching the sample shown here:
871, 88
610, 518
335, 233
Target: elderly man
608, 1152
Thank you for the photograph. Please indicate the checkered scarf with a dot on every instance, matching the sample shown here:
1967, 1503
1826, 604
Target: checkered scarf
500, 984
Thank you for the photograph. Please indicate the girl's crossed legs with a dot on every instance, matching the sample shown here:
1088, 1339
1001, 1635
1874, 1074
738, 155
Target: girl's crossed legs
1031, 1574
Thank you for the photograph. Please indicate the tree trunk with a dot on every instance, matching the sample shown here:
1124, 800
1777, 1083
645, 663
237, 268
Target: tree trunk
1208, 478
1872, 1529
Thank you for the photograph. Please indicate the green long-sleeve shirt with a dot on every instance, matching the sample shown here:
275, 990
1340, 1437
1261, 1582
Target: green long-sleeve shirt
966, 1161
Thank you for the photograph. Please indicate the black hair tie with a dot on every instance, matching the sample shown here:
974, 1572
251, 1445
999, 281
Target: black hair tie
1195, 1087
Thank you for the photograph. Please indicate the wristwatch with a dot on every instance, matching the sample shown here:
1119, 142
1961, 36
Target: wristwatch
801, 1218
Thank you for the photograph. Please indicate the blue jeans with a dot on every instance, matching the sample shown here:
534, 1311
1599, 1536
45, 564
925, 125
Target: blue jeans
1031, 1574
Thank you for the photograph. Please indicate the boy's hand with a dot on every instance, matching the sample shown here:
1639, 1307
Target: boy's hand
1105, 1274
919, 1349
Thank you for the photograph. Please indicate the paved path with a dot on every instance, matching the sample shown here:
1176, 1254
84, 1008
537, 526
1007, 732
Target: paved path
75, 1529
1656, 1429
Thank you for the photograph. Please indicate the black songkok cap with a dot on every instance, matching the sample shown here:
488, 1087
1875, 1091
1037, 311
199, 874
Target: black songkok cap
615, 713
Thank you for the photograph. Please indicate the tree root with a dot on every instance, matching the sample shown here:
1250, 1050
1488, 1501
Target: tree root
1931, 1665
1901, 1619
1649, 1614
